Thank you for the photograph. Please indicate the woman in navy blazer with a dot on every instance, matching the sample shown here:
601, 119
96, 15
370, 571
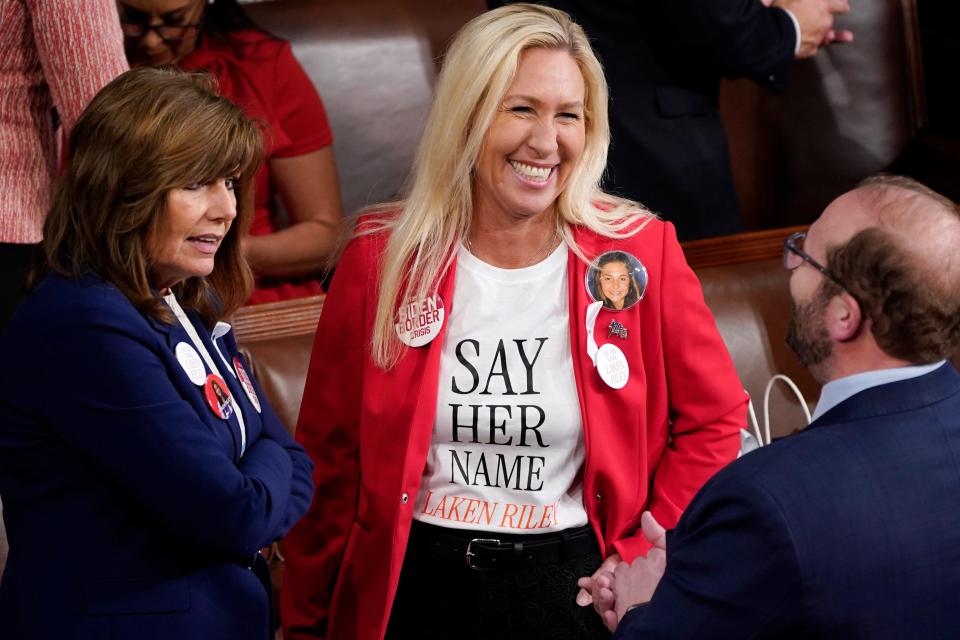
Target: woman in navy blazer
141, 467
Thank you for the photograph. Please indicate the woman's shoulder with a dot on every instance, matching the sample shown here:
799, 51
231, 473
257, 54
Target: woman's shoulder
378, 219
65, 304
258, 44
86, 291
637, 229
373, 226
248, 48
364, 240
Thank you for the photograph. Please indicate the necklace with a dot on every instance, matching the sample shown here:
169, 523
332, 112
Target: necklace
548, 247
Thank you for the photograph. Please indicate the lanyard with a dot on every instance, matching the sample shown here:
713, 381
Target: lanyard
609, 360
593, 310
171, 301
219, 330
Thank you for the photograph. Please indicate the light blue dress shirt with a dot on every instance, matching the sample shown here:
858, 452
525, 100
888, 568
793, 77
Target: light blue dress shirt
836, 391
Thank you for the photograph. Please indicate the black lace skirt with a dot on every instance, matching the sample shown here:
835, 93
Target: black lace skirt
523, 587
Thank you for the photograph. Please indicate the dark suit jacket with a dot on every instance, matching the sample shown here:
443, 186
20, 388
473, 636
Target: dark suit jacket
846, 530
663, 60
129, 510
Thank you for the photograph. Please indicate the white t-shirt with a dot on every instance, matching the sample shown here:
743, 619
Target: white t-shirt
507, 447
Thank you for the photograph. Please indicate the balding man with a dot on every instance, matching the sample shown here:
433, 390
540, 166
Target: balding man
850, 528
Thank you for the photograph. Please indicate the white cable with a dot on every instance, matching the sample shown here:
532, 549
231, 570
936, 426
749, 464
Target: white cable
752, 417
766, 402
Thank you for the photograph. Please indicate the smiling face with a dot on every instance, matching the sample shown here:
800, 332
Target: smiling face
196, 220
536, 138
614, 283
170, 40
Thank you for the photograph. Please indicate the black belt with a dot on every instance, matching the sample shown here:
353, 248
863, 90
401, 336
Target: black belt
490, 551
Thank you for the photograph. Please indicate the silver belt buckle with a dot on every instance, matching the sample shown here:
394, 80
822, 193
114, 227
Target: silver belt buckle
470, 554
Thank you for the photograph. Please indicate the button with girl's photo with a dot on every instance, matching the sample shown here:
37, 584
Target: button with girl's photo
617, 279
218, 397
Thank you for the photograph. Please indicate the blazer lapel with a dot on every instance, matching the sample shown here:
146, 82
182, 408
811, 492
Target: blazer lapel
172, 334
600, 405
416, 377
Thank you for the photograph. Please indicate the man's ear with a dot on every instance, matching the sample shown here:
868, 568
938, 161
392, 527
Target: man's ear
844, 317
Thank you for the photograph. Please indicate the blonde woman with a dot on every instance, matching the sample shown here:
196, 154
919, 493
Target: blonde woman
478, 449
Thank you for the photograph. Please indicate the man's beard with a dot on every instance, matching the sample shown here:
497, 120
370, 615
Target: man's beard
807, 335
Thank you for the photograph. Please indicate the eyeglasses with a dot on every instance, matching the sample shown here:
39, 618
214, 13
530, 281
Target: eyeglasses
166, 32
794, 256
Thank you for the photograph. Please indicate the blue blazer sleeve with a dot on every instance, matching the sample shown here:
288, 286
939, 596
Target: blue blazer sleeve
732, 571
110, 397
301, 481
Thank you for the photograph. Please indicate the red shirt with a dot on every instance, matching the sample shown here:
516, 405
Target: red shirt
264, 78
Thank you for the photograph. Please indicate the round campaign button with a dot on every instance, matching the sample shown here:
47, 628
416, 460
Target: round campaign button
246, 383
192, 365
612, 366
617, 279
419, 322
218, 396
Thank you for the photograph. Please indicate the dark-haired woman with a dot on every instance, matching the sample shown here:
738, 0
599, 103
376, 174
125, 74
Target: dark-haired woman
259, 73
141, 466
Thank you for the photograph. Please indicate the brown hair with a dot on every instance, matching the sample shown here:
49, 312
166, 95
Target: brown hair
633, 290
908, 290
147, 132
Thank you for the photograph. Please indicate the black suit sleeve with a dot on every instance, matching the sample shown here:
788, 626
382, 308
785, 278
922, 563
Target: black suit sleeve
732, 570
731, 38
737, 38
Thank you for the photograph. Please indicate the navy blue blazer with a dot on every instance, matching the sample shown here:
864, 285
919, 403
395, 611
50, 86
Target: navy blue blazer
129, 509
848, 529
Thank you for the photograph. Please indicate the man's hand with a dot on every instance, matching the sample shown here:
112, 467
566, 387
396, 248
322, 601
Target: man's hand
635, 583
815, 18
653, 531
603, 590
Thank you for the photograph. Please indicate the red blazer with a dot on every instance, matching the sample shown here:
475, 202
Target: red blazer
650, 445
